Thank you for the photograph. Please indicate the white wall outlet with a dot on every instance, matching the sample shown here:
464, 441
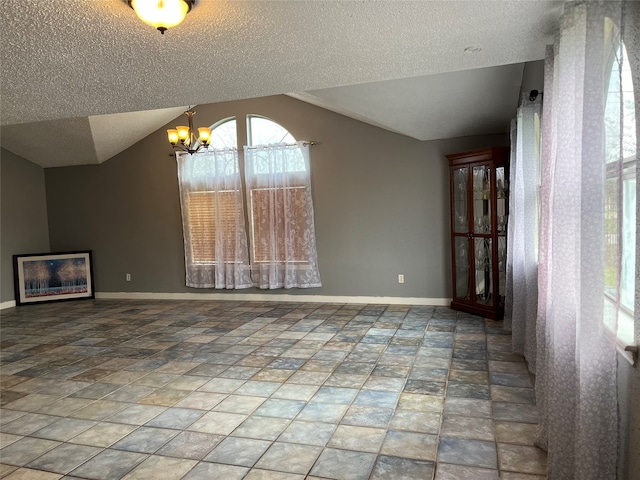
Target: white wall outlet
128, 277
400, 278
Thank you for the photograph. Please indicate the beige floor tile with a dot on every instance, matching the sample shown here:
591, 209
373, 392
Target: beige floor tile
446, 471
424, 403
419, 446
469, 376
513, 432
522, 459
467, 427
362, 439
219, 423
468, 407
30, 474
103, 434
201, 400
521, 476
99, 410
6, 469
416, 421
8, 439
31, 402
164, 397
161, 468
257, 474
239, 404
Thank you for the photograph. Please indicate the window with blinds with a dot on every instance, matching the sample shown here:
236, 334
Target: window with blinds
268, 208
212, 218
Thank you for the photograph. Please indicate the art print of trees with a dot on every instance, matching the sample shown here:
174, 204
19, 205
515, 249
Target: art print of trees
55, 277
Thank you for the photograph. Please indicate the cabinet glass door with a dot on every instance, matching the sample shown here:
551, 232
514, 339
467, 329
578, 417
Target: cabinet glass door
502, 214
460, 205
461, 249
483, 271
502, 266
481, 199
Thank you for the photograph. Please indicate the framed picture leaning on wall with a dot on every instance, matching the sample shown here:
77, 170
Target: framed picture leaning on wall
49, 277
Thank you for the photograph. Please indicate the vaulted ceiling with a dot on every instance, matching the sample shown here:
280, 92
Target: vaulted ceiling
82, 81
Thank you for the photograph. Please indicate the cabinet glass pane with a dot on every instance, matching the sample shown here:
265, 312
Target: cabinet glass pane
461, 246
481, 199
460, 216
501, 208
484, 287
502, 264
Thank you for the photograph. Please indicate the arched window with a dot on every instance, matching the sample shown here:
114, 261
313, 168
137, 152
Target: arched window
264, 131
224, 134
280, 207
261, 132
620, 190
278, 202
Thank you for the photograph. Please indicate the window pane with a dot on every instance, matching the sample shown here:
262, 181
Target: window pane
272, 235
620, 193
627, 274
285, 161
212, 217
224, 135
611, 240
263, 131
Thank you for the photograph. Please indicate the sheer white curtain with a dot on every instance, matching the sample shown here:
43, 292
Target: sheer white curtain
213, 223
281, 219
576, 362
522, 255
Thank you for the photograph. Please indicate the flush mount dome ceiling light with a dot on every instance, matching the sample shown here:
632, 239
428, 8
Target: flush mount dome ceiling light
162, 14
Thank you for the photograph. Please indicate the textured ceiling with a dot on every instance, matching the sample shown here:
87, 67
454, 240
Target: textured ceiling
70, 59
83, 140
430, 107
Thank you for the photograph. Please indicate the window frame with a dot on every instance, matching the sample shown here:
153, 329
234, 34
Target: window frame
294, 183
620, 170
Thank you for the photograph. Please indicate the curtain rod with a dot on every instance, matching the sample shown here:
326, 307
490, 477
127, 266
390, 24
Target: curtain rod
533, 94
312, 142
304, 144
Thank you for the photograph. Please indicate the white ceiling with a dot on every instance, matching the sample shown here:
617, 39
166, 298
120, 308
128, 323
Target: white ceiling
71, 68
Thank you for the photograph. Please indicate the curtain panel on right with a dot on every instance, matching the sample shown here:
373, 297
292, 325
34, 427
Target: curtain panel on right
281, 218
521, 300
576, 372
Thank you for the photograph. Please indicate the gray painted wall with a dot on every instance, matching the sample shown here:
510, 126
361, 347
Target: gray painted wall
23, 215
381, 205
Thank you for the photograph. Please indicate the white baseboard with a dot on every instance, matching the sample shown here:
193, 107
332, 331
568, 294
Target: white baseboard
260, 297
9, 304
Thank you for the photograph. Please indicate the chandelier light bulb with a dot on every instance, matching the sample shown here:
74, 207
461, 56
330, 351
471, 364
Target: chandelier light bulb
172, 134
183, 133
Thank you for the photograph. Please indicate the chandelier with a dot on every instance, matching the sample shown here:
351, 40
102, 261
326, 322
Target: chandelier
184, 138
162, 14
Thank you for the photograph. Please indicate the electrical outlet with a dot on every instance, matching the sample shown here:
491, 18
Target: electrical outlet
128, 277
400, 278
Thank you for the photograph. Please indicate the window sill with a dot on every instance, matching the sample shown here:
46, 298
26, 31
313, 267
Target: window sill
628, 351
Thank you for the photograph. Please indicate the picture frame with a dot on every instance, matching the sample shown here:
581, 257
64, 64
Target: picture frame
51, 277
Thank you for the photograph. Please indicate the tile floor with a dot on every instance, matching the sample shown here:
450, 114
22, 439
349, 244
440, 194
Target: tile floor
228, 390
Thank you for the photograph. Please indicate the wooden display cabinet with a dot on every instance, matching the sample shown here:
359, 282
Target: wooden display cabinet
479, 215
